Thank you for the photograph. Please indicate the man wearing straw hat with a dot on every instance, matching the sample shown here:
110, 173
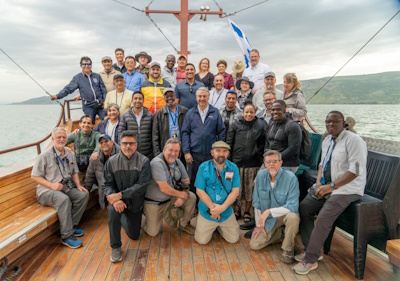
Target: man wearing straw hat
237, 70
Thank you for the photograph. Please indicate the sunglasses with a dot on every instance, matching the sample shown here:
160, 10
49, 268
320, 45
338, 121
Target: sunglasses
86, 64
128, 143
190, 88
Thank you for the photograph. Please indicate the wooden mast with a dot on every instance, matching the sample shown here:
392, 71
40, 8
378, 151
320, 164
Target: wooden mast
184, 16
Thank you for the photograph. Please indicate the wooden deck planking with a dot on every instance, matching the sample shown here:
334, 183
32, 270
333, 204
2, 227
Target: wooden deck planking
173, 255
222, 261
175, 265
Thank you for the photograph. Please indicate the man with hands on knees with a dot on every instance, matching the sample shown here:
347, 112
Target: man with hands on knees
341, 180
125, 180
56, 173
217, 185
276, 202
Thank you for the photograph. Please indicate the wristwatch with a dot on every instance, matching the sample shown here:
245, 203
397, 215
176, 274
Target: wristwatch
332, 184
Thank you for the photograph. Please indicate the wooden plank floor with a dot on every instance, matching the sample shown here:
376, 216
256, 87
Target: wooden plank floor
173, 255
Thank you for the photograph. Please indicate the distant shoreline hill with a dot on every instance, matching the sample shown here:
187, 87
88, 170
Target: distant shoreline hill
378, 88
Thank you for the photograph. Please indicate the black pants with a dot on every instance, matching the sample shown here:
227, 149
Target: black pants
328, 211
129, 220
197, 160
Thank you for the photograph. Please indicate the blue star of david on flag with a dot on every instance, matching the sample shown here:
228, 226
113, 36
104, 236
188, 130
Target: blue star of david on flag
242, 41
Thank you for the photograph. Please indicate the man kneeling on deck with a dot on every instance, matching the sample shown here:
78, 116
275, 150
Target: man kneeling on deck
56, 173
342, 175
217, 185
126, 176
169, 185
276, 203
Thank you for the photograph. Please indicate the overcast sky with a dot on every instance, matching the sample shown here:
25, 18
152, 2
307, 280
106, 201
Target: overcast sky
312, 38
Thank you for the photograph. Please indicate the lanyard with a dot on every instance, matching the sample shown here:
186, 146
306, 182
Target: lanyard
175, 114
114, 127
172, 174
58, 162
218, 174
325, 164
219, 95
116, 98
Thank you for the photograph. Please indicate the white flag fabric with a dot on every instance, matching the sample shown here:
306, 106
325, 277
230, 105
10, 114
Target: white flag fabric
242, 41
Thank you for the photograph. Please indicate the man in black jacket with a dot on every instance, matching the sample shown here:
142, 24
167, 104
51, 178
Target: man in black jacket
126, 176
139, 120
284, 135
167, 121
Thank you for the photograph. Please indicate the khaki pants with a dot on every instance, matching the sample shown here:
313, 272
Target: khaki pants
229, 229
154, 214
291, 222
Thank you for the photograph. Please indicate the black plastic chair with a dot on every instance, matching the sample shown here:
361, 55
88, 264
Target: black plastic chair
374, 218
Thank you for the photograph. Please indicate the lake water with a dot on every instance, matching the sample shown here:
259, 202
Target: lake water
22, 124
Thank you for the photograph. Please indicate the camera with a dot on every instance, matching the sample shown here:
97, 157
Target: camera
313, 189
180, 186
98, 105
67, 182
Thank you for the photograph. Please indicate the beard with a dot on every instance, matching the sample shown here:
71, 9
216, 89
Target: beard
59, 146
273, 173
220, 160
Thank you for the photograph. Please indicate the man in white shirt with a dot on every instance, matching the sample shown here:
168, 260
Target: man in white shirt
342, 175
256, 71
269, 85
276, 202
218, 95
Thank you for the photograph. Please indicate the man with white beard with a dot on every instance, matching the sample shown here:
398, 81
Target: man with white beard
276, 203
56, 172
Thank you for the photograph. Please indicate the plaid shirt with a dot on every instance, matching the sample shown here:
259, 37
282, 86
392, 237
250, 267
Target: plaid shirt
232, 118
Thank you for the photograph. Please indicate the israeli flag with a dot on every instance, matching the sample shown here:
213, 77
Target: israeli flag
242, 41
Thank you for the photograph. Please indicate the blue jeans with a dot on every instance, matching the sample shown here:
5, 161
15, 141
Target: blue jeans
93, 111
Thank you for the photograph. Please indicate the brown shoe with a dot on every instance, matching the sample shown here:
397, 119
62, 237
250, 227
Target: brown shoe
188, 228
288, 256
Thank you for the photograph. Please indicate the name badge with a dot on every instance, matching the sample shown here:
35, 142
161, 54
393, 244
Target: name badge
229, 175
218, 197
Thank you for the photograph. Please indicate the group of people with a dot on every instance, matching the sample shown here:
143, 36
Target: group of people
176, 142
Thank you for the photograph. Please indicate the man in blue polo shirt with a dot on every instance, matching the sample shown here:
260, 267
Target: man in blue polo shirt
217, 185
133, 79
186, 90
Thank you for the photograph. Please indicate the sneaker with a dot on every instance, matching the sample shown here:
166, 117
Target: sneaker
188, 228
72, 242
78, 232
248, 225
288, 256
248, 234
304, 267
301, 257
116, 255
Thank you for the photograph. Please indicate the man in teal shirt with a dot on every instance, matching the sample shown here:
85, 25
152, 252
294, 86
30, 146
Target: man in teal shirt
86, 143
217, 185
276, 203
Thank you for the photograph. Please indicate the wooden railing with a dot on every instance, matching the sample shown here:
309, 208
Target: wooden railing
65, 116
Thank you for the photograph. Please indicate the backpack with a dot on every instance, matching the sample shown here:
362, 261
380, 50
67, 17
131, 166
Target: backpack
305, 147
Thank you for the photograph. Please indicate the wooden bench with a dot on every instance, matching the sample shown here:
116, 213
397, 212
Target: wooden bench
375, 217
22, 218
393, 249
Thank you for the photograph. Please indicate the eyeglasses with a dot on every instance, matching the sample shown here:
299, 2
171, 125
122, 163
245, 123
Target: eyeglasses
128, 143
271, 161
190, 88
86, 64
333, 121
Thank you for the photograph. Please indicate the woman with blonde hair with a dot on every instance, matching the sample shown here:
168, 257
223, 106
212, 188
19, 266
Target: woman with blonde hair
204, 75
294, 97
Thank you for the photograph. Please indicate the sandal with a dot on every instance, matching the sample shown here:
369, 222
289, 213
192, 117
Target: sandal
246, 217
237, 212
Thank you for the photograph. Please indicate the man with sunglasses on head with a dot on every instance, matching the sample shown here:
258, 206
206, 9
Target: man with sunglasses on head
126, 177
92, 90
342, 175
185, 91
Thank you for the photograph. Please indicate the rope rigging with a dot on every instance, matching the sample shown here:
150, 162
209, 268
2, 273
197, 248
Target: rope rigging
28, 75
354, 55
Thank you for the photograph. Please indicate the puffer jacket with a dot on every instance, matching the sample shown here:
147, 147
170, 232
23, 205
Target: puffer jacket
128, 176
153, 94
128, 122
247, 140
296, 104
161, 127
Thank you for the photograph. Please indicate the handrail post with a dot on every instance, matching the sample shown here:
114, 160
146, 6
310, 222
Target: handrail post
68, 111
38, 148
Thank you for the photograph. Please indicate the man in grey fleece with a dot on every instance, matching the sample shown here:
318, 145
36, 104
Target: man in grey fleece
125, 180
